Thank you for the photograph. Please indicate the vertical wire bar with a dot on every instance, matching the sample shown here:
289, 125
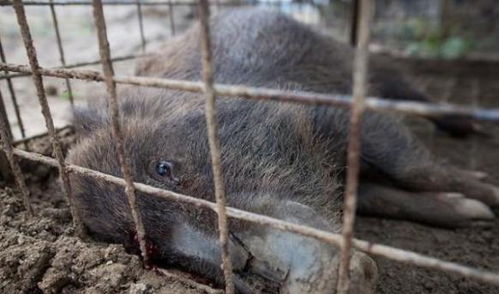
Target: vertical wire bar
5, 169
14, 98
354, 144
141, 26
449, 87
172, 20
429, 130
37, 79
113, 111
5, 166
475, 103
14, 165
5, 117
354, 22
214, 142
61, 49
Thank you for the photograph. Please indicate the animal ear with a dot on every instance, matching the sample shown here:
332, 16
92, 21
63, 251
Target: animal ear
88, 119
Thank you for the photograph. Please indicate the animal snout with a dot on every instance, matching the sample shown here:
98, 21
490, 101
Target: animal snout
302, 264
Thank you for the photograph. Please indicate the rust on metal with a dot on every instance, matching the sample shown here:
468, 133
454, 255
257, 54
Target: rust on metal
145, 3
354, 22
13, 96
214, 143
37, 79
359, 91
141, 25
79, 64
358, 104
475, 103
301, 97
172, 18
55, 22
113, 111
14, 165
37, 136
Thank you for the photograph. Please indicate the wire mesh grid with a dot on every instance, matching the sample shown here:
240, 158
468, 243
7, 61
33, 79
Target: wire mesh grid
358, 104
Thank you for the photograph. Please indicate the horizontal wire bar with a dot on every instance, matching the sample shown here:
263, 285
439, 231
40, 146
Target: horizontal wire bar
144, 3
79, 64
329, 237
309, 98
40, 135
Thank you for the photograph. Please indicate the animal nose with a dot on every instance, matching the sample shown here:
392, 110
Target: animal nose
274, 260
300, 264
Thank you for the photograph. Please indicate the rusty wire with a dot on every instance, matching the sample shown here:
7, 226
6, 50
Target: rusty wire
38, 136
144, 3
61, 50
113, 111
37, 79
392, 253
13, 97
172, 19
429, 128
4, 116
427, 110
475, 102
141, 25
354, 141
78, 64
214, 143
354, 22
14, 165
88, 3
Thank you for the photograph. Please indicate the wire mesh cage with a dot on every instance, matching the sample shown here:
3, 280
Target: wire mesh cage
361, 21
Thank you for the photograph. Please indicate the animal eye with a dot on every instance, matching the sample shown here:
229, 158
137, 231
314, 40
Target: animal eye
163, 171
164, 168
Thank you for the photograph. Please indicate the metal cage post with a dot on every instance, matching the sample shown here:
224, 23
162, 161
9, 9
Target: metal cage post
14, 164
359, 90
37, 79
214, 143
55, 22
113, 111
13, 97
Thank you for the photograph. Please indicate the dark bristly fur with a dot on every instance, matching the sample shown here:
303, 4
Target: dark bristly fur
280, 160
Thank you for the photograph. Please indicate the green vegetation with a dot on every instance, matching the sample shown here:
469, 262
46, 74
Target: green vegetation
430, 40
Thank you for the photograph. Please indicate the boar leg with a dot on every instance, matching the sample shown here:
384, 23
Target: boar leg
390, 84
390, 149
433, 208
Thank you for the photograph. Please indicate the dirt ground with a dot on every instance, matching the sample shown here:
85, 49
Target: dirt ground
43, 256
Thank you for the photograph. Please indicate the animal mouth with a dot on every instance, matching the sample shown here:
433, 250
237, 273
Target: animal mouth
257, 273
